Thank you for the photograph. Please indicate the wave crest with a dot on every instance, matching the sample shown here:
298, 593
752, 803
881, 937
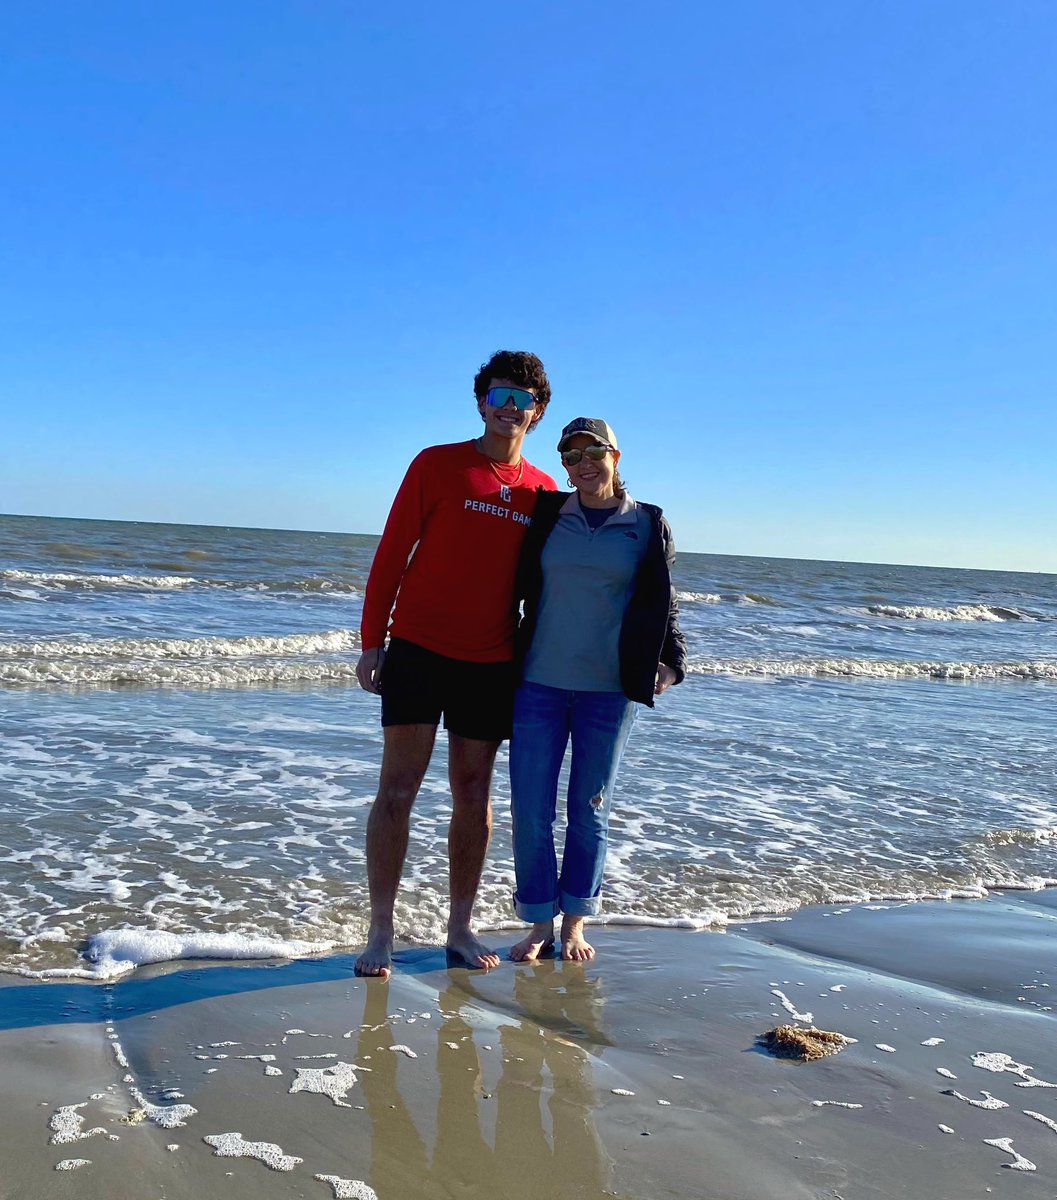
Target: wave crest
956, 612
876, 669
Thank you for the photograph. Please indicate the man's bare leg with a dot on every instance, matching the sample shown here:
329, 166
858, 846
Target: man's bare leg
404, 762
470, 763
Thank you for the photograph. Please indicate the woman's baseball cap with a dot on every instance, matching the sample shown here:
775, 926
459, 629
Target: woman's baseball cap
595, 426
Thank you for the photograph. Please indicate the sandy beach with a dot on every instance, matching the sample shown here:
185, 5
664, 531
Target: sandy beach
637, 1075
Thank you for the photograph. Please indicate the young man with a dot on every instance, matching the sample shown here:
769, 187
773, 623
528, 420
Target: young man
450, 548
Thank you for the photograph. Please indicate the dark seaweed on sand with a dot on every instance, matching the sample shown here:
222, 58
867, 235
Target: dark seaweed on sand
788, 1041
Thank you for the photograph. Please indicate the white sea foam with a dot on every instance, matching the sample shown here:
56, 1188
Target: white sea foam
1019, 1163
348, 1189
66, 1125
1049, 1122
790, 1007
334, 1081
991, 1103
165, 1116
233, 1145
117, 951
1013, 837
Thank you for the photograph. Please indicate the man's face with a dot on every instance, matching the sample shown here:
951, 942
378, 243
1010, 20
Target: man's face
508, 422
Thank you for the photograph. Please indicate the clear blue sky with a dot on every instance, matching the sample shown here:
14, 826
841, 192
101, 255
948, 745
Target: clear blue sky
802, 256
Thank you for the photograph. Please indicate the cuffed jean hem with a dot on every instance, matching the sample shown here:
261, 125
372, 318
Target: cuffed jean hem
571, 906
546, 911
579, 906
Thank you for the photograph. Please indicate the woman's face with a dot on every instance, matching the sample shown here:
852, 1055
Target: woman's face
591, 478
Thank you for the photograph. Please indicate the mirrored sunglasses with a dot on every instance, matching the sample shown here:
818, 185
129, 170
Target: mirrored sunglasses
499, 397
595, 453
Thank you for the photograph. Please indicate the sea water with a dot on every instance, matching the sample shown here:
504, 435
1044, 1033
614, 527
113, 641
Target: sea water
187, 764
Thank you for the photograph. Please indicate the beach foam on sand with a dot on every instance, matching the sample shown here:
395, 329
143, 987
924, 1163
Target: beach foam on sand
636, 1075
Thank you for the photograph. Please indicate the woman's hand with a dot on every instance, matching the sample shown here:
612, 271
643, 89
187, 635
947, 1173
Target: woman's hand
369, 669
665, 678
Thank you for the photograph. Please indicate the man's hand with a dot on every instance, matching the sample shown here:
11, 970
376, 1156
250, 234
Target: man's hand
369, 670
665, 678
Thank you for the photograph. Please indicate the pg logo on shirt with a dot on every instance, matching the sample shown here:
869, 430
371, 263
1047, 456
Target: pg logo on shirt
505, 494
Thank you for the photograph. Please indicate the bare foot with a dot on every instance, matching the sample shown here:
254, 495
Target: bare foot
465, 944
539, 940
574, 947
377, 957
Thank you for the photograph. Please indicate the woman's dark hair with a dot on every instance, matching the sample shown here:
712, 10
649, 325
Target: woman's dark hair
521, 368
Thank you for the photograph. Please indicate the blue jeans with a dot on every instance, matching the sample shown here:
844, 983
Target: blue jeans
544, 720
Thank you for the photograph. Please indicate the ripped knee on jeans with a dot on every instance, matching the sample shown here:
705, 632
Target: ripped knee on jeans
599, 800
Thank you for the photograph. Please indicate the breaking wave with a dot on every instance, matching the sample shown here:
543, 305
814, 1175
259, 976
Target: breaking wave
725, 598
956, 612
859, 668
181, 662
61, 581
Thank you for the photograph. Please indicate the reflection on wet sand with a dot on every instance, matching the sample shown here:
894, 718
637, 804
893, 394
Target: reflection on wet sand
543, 1056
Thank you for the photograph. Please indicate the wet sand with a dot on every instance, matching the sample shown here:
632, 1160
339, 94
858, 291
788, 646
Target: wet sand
637, 1075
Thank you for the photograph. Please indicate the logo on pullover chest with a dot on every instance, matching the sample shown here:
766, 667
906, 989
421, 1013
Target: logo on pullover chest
505, 494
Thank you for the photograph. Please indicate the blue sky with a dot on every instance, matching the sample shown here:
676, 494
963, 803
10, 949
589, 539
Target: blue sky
800, 255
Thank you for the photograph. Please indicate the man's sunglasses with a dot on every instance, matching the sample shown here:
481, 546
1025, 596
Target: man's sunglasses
499, 397
595, 453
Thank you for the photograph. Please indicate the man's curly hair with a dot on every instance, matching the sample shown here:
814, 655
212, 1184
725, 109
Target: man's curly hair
521, 368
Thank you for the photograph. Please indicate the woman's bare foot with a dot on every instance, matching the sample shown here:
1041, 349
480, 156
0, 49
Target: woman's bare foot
539, 940
574, 947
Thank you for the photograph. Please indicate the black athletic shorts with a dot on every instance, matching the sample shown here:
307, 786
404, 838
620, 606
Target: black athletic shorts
475, 699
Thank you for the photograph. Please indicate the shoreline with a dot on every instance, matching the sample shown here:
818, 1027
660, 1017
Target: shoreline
638, 1074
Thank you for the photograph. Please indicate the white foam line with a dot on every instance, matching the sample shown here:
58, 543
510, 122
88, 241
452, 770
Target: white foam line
1048, 1121
1020, 1163
790, 1008
348, 1189
406, 1050
834, 1103
233, 1145
164, 1116
933, 1042
73, 1164
992, 1103
885, 1047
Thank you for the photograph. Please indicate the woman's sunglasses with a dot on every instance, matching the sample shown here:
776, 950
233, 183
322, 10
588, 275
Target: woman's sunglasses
595, 453
499, 397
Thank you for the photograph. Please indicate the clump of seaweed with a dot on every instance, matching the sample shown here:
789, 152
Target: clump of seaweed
789, 1041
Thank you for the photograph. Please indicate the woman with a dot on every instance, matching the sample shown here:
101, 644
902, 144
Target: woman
599, 635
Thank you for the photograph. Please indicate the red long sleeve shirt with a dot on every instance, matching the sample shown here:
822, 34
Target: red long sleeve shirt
450, 549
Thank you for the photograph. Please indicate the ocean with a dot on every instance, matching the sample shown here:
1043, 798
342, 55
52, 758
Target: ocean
187, 764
